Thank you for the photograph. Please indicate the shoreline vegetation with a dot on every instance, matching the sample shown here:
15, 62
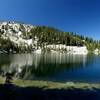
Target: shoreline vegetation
52, 85
47, 90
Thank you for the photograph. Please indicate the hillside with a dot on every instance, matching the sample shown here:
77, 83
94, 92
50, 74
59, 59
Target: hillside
21, 38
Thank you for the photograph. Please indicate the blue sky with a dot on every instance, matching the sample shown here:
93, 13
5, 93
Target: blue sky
81, 16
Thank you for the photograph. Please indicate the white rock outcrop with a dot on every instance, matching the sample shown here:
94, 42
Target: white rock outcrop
97, 51
14, 31
69, 49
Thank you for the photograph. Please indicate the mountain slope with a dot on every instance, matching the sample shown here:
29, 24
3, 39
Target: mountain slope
18, 37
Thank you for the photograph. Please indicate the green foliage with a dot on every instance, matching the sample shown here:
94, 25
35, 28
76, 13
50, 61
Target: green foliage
48, 36
53, 36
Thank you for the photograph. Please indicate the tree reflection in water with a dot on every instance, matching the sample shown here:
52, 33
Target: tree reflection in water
30, 66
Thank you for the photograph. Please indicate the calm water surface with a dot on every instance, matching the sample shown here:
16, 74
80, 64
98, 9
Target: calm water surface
52, 66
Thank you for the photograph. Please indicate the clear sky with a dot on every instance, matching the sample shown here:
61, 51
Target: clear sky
81, 16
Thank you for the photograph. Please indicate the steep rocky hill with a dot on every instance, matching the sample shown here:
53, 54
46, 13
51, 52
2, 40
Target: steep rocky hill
17, 38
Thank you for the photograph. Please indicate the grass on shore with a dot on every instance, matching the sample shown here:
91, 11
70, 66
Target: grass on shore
52, 85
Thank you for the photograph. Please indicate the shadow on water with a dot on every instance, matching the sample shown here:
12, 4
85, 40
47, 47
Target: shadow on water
12, 92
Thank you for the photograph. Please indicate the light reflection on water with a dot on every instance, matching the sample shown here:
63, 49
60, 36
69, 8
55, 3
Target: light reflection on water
53, 66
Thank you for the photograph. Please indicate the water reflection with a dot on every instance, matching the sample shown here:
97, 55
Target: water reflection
31, 66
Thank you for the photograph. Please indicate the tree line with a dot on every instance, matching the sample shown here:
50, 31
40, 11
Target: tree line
48, 36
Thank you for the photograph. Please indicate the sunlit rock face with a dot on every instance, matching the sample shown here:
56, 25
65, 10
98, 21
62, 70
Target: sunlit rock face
97, 51
69, 49
16, 32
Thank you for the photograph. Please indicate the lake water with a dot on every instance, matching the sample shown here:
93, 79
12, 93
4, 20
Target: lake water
52, 66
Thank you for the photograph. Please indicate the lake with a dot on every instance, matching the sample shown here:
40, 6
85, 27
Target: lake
52, 66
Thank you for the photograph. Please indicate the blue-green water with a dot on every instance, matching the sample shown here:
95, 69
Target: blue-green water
52, 66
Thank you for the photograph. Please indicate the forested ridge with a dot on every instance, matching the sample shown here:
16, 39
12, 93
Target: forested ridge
43, 35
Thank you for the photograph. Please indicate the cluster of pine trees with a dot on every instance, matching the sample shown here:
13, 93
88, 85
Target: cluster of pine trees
48, 36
